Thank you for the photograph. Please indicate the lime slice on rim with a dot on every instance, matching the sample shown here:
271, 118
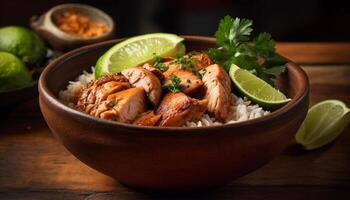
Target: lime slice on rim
137, 50
323, 124
256, 89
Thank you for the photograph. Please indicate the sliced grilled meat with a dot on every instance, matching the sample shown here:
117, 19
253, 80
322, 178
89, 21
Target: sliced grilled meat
123, 106
97, 91
201, 60
140, 77
218, 92
154, 70
178, 108
190, 84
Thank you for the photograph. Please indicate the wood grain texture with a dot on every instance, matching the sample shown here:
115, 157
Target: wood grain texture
315, 52
33, 165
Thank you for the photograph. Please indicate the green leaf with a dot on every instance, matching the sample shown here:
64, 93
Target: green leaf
232, 36
158, 64
245, 61
274, 60
214, 54
233, 31
174, 86
241, 30
246, 49
275, 71
261, 74
264, 45
224, 30
222, 57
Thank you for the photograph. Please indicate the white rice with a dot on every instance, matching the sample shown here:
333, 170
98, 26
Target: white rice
242, 110
67, 96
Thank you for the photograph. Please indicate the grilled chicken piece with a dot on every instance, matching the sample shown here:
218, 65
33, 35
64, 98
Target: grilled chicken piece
201, 60
190, 84
123, 106
218, 92
154, 70
140, 77
97, 91
148, 118
178, 108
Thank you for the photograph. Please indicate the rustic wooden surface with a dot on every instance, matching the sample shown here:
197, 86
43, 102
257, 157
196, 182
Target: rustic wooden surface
316, 52
33, 165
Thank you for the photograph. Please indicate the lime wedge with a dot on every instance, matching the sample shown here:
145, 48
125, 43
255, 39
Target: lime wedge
137, 50
323, 124
256, 89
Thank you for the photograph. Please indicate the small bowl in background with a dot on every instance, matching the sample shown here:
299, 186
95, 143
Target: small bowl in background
59, 40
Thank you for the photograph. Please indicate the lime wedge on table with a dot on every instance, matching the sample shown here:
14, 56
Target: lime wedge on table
137, 50
257, 89
323, 123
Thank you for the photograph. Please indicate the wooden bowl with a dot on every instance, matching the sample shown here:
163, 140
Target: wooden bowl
158, 158
62, 41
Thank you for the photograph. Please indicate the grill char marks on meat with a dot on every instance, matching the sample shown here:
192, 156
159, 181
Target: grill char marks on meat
111, 97
97, 91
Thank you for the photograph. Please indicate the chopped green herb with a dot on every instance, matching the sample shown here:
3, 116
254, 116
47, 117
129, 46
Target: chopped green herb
112, 103
194, 70
202, 72
174, 86
232, 36
187, 63
158, 64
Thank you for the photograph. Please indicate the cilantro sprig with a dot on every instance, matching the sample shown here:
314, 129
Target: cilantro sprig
260, 56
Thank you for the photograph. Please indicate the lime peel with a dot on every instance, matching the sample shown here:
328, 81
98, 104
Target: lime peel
324, 122
137, 50
256, 89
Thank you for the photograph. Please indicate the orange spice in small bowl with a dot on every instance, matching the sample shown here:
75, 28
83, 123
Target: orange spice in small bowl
78, 24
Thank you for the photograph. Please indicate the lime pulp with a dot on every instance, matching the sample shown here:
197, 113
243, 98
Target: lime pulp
323, 124
137, 50
256, 89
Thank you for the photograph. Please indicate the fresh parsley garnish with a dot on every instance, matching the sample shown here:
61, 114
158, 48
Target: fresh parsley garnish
259, 57
174, 86
158, 64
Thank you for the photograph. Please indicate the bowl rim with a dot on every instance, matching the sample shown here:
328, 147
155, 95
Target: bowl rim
48, 96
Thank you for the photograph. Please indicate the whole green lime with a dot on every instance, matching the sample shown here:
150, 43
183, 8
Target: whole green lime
13, 72
23, 43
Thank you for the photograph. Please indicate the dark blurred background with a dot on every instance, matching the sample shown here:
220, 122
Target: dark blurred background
293, 20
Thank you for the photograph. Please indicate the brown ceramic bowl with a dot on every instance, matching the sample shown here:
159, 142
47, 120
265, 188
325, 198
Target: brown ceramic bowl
168, 158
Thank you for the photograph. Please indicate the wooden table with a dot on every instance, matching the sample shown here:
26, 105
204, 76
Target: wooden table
33, 165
